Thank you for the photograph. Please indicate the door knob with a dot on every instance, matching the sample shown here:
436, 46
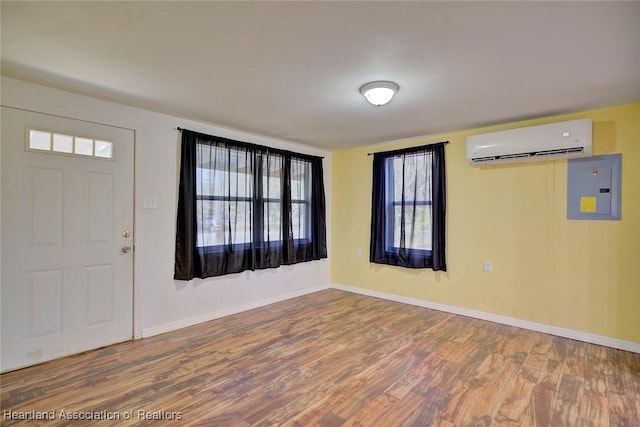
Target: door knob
126, 249
126, 234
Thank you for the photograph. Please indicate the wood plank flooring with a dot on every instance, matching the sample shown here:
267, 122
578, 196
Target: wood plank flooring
334, 358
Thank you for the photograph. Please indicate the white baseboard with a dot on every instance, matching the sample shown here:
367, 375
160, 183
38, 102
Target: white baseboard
190, 321
505, 320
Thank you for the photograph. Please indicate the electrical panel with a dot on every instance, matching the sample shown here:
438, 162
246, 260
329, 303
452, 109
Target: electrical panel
593, 188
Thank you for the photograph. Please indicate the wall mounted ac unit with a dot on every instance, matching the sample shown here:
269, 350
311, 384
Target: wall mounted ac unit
563, 140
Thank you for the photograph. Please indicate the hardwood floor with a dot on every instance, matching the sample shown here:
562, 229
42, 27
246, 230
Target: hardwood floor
334, 358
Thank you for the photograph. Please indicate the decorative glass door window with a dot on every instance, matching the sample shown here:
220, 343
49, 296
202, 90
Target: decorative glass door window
39, 140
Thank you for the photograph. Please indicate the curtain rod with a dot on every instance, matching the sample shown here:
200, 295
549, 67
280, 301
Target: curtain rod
252, 144
368, 154
408, 148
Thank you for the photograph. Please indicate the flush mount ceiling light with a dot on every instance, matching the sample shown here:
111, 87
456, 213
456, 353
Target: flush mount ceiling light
379, 93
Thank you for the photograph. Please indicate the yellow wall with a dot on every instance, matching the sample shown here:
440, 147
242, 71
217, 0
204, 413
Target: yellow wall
581, 275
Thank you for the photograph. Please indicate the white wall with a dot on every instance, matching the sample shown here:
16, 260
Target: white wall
161, 303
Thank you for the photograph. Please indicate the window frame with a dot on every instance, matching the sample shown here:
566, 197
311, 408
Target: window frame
306, 202
259, 202
298, 241
384, 249
222, 247
390, 203
74, 152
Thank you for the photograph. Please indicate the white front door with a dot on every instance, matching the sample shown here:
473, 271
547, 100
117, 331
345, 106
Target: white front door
67, 218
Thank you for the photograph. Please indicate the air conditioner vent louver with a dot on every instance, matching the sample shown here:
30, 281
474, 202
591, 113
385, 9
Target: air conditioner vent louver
554, 141
560, 153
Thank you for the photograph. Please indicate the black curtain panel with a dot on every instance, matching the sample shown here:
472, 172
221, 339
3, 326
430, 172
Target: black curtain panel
408, 208
243, 206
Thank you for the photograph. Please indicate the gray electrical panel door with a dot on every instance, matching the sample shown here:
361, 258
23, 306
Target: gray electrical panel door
593, 188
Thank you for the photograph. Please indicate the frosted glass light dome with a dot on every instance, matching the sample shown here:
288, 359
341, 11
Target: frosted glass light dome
379, 93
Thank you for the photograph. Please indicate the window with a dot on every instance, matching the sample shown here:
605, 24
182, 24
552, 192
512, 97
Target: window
224, 194
301, 199
245, 207
408, 201
232, 188
39, 140
408, 208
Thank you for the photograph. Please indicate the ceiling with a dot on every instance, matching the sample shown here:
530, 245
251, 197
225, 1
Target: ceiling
292, 70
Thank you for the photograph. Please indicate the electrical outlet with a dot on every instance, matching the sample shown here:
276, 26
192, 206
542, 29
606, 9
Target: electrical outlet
487, 266
358, 252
